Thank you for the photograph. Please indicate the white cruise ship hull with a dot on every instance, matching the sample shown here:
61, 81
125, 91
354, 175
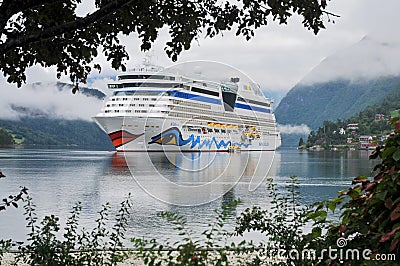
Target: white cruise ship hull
151, 109
164, 134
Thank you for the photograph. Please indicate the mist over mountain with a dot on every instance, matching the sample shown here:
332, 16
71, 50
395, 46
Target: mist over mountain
49, 114
343, 84
52, 100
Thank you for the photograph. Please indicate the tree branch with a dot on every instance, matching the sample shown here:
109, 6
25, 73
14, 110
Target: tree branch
11, 7
330, 14
66, 27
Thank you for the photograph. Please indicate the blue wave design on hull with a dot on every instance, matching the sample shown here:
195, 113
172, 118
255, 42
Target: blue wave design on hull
173, 136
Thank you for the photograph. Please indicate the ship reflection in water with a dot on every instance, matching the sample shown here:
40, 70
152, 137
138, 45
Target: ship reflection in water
187, 179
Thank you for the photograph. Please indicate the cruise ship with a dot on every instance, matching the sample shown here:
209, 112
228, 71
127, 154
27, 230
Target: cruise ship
155, 109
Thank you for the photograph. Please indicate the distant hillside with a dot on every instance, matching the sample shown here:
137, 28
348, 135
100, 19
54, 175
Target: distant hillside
344, 83
328, 101
45, 132
42, 124
6, 140
367, 123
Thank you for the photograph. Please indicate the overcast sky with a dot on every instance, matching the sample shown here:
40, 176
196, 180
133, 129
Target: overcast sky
278, 56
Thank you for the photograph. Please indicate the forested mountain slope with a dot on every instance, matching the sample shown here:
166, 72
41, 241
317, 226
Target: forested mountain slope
46, 126
328, 101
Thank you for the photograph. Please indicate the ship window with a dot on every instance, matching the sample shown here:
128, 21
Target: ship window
136, 99
145, 99
151, 84
141, 104
253, 101
146, 77
114, 86
132, 104
213, 93
151, 105
229, 100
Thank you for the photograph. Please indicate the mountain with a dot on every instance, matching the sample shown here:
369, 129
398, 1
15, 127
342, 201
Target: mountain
48, 115
48, 132
365, 123
343, 84
332, 100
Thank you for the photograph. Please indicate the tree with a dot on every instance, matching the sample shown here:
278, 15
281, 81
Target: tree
5, 138
370, 217
50, 33
301, 142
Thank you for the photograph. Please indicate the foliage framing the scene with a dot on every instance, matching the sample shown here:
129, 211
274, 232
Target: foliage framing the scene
52, 33
371, 214
100, 246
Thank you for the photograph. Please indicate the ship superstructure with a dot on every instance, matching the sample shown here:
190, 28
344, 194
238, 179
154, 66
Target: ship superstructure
152, 109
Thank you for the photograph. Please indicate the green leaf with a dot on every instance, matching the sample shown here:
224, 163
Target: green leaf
381, 195
331, 205
316, 232
396, 155
387, 152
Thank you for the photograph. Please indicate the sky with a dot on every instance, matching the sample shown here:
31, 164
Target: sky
277, 58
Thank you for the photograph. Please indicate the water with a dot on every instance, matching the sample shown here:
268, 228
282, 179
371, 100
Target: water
57, 179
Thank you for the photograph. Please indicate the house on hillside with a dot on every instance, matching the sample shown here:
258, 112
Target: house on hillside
352, 126
379, 117
366, 142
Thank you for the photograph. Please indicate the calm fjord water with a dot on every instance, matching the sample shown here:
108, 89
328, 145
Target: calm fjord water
57, 179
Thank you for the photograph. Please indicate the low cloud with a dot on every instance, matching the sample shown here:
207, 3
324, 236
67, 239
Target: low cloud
46, 99
372, 57
294, 129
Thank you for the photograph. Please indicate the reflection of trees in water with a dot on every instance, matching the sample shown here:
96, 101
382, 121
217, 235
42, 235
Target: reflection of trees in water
228, 199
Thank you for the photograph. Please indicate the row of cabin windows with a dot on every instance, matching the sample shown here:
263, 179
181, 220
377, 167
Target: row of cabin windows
163, 85
126, 111
193, 104
206, 130
134, 99
131, 104
145, 77
182, 112
253, 102
144, 84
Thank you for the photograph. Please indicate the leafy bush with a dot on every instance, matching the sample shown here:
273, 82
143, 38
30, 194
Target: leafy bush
213, 247
97, 247
371, 213
13, 200
284, 225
